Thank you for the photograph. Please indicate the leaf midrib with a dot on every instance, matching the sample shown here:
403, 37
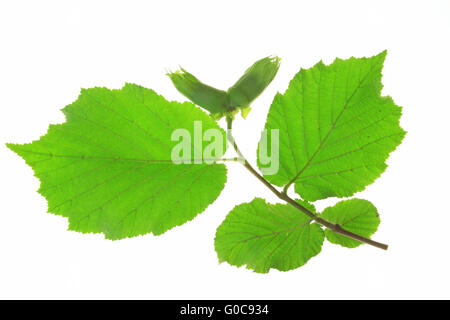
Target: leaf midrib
83, 157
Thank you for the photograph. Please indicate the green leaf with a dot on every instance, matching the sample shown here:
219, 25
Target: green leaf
263, 236
355, 215
239, 96
207, 97
335, 129
109, 169
253, 82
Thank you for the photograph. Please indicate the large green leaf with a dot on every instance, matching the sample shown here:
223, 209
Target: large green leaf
335, 129
263, 236
109, 169
355, 215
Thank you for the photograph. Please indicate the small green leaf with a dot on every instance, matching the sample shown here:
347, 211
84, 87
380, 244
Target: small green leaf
307, 205
207, 97
354, 215
263, 236
239, 96
245, 112
253, 82
109, 167
335, 129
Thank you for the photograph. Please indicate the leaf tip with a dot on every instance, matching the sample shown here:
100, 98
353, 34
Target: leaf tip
10, 145
13, 147
275, 60
382, 55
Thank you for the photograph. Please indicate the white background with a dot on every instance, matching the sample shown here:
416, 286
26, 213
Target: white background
51, 49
